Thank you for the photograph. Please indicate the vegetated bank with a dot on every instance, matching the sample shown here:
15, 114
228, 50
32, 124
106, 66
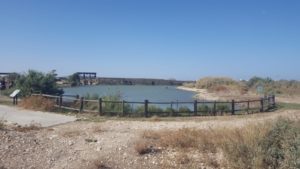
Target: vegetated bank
224, 88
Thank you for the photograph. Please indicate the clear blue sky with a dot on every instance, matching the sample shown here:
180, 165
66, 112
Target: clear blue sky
182, 39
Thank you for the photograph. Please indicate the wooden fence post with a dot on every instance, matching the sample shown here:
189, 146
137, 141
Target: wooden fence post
261, 104
248, 106
232, 107
123, 107
100, 106
269, 102
273, 101
195, 107
57, 101
172, 112
60, 100
16, 99
81, 104
146, 108
215, 108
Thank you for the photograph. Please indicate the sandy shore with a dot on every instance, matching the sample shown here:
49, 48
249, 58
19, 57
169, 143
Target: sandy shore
201, 94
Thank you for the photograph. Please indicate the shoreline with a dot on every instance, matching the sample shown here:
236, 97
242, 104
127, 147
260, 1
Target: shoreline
201, 94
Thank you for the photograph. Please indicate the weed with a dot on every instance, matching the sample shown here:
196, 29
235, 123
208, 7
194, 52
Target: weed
270, 145
2, 124
88, 140
27, 128
38, 103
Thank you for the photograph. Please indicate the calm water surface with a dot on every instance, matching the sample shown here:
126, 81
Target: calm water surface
135, 92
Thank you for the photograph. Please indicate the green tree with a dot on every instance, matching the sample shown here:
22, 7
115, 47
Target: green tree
74, 79
34, 81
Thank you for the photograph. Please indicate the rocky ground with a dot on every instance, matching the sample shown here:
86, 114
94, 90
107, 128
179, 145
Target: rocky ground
103, 145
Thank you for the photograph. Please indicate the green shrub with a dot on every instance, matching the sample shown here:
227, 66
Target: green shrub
281, 145
154, 109
272, 145
139, 109
94, 96
184, 109
169, 110
35, 81
275, 146
112, 106
223, 108
204, 109
74, 79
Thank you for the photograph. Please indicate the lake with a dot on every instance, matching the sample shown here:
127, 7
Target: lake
135, 92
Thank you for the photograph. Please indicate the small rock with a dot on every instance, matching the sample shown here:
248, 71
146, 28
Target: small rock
99, 149
71, 143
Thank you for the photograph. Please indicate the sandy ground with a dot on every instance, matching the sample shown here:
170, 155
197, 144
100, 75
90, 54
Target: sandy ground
203, 94
108, 144
27, 117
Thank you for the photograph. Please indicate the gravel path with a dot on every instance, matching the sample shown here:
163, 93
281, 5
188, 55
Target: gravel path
26, 117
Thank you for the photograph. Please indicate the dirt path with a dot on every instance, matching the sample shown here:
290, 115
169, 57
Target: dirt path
107, 144
26, 117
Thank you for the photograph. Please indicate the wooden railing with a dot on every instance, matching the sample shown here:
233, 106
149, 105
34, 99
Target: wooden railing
147, 108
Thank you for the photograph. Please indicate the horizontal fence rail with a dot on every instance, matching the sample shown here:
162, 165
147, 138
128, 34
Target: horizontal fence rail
173, 108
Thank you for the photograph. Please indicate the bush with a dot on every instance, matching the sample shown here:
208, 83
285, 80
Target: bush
281, 146
74, 79
273, 145
112, 106
223, 108
184, 109
34, 81
204, 108
155, 109
38, 103
139, 110
211, 82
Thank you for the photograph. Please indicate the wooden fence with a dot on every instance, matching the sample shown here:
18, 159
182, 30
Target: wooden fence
148, 108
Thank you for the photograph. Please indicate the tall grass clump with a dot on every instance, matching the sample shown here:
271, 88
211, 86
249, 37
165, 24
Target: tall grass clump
91, 105
219, 84
38, 103
274, 145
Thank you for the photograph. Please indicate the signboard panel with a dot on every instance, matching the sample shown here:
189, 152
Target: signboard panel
15, 93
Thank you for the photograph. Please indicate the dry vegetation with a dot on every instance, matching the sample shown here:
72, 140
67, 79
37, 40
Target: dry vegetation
252, 141
267, 145
38, 103
221, 85
27, 128
2, 124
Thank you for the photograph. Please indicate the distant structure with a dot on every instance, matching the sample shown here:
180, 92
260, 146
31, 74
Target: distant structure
87, 78
5, 82
140, 81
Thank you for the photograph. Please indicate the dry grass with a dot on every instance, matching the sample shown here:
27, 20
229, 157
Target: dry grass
70, 133
27, 128
98, 164
2, 124
38, 103
253, 146
143, 147
97, 129
155, 118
